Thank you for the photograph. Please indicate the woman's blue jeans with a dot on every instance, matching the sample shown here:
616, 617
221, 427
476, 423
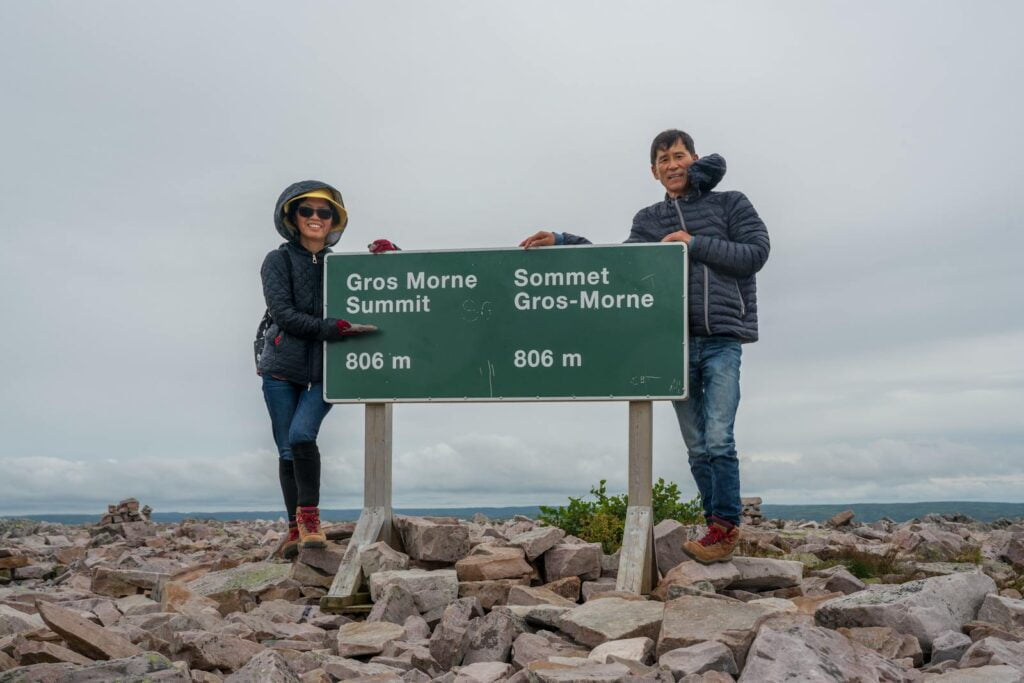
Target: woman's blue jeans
706, 421
296, 412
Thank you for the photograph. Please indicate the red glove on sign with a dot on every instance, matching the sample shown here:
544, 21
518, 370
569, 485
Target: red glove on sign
380, 246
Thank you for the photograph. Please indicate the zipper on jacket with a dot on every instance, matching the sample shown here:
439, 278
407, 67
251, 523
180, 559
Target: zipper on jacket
743, 306
707, 295
314, 259
679, 212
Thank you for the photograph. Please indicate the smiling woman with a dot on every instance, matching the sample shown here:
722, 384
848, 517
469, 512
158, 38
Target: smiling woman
311, 216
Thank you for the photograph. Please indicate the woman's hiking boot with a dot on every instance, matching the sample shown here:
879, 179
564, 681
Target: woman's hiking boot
717, 544
310, 533
289, 547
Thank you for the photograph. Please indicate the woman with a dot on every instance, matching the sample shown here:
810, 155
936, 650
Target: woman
311, 216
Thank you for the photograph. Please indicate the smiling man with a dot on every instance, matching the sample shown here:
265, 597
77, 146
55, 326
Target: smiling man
728, 245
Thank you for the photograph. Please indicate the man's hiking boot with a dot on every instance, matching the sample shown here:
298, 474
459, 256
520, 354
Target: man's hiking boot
289, 547
310, 533
717, 544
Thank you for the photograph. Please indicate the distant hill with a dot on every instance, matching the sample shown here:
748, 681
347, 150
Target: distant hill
864, 512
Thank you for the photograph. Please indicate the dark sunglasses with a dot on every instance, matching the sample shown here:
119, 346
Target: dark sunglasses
322, 214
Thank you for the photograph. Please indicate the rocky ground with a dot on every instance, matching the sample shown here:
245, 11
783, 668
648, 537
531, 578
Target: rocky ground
467, 601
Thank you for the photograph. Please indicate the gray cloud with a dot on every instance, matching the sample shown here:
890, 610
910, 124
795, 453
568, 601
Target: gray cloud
145, 145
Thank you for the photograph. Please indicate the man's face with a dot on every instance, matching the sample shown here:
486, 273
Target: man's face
670, 166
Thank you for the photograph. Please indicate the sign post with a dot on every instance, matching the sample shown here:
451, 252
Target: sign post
593, 323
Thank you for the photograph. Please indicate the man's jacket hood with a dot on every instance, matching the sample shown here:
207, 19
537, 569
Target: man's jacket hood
285, 227
706, 173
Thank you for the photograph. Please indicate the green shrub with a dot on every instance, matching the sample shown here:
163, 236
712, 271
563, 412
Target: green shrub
603, 519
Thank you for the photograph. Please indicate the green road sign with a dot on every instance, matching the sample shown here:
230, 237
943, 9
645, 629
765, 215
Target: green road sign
553, 324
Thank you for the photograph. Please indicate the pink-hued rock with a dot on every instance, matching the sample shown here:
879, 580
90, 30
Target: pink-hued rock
599, 621
489, 563
83, 636
425, 539
570, 559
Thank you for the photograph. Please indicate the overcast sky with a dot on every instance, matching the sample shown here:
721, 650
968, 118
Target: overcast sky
144, 145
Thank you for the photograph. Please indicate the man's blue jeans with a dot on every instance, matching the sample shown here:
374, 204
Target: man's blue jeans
706, 421
295, 412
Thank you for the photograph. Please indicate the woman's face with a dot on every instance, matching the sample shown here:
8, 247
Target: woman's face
314, 227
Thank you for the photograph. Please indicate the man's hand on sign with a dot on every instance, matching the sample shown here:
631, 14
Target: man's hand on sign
348, 329
542, 238
677, 236
381, 246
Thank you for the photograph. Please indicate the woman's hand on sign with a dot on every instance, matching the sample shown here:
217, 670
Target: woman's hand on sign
541, 238
348, 329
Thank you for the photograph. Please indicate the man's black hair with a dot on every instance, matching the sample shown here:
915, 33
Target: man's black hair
667, 138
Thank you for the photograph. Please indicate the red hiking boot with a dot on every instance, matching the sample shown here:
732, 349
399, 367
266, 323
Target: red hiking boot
717, 544
289, 547
310, 533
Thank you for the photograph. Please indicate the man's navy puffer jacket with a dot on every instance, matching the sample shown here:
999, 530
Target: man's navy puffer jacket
294, 346
729, 245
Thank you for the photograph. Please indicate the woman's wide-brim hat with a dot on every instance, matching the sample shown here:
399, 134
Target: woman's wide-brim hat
324, 193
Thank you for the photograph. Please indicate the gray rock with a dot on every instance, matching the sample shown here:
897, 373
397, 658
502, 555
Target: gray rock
546, 616
425, 539
591, 589
537, 541
696, 659
430, 589
380, 557
266, 667
204, 650
416, 628
490, 638
762, 573
366, 638
483, 672
571, 559
534, 647
239, 584
448, 642
669, 537
886, 642
395, 604
345, 669
137, 604
994, 651
588, 672
633, 649
949, 645
838, 579
720, 575
1005, 612
118, 583
607, 619
922, 608
149, 666
490, 593
805, 652
527, 595
690, 620
16, 621
984, 674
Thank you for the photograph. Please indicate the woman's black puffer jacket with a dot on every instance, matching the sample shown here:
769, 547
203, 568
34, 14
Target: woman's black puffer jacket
294, 343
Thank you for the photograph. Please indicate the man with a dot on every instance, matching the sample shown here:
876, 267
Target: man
728, 244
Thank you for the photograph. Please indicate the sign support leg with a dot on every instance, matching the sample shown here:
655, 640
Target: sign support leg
636, 559
375, 521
